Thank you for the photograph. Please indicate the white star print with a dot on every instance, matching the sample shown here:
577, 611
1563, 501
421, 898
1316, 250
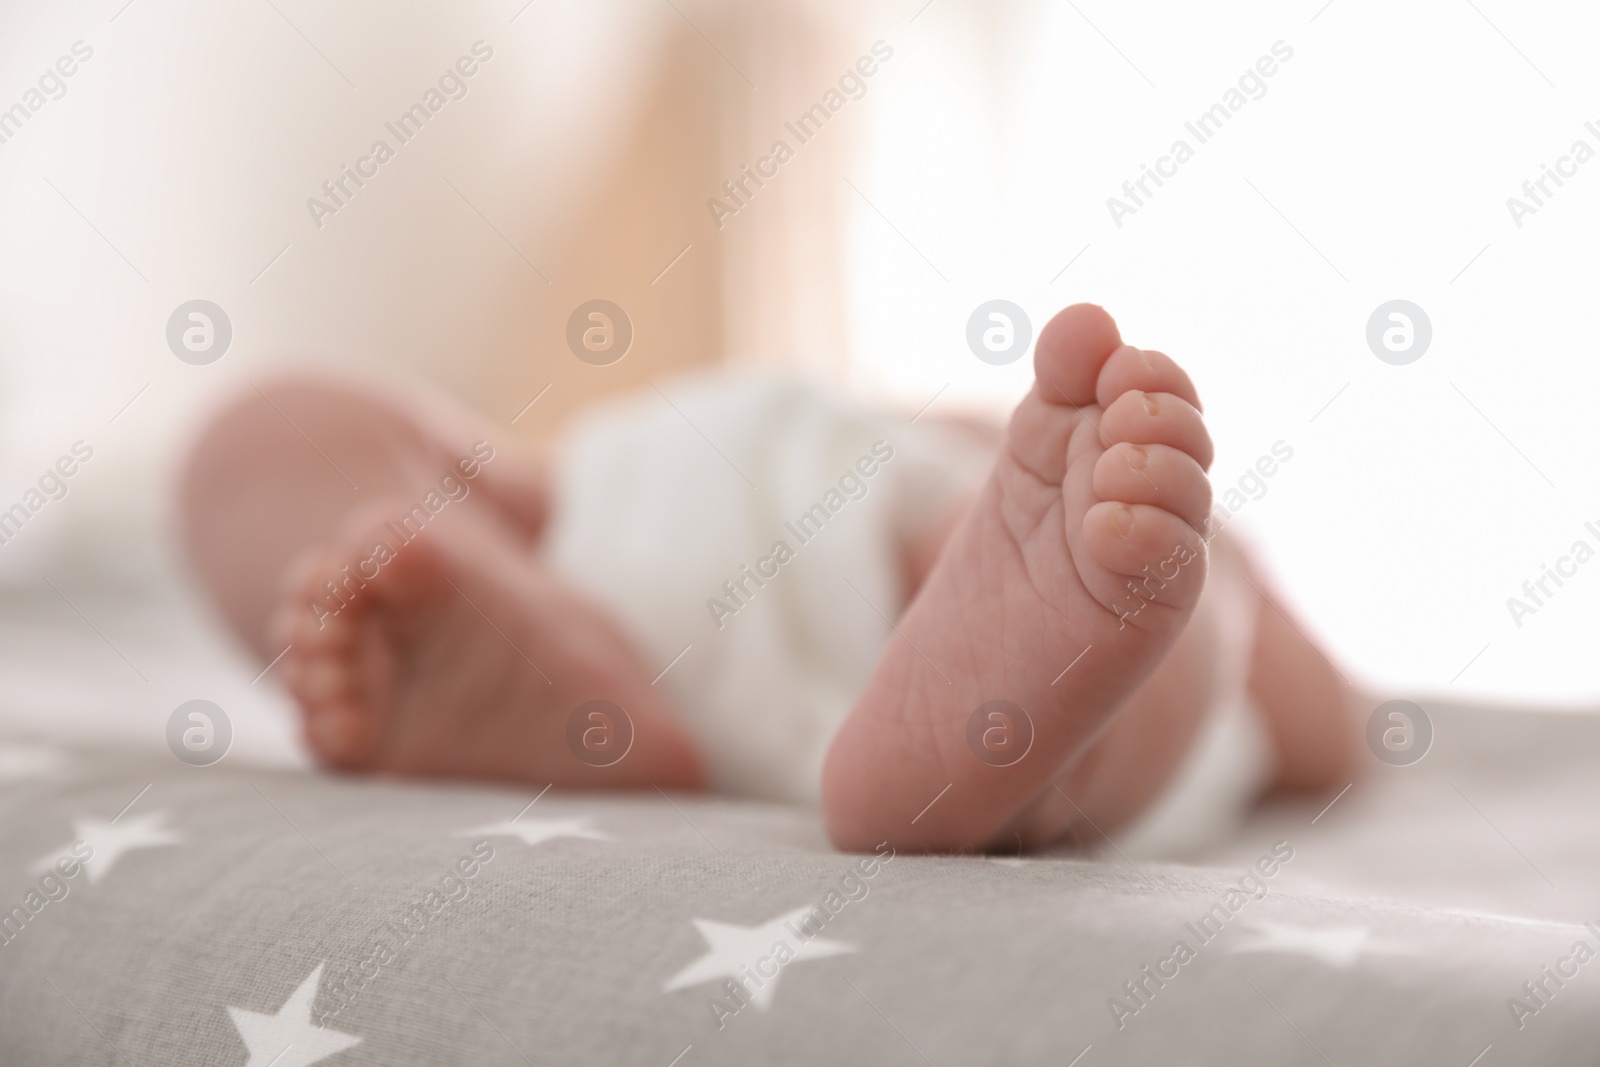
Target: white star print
21, 762
289, 1038
735, 952
538, 831
111, 840
1337, 946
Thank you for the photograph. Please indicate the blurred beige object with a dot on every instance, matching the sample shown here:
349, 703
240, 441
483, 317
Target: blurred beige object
184, 160
759, 287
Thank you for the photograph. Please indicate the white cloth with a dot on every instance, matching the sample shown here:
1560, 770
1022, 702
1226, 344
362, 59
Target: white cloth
665, 497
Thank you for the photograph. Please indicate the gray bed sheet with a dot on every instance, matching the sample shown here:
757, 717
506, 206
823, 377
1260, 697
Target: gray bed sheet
1442, 913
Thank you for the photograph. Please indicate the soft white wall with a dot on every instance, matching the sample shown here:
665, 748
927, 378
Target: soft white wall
1391, 140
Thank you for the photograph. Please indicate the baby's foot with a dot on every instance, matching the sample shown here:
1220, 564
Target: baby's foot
458, 654
1060, 592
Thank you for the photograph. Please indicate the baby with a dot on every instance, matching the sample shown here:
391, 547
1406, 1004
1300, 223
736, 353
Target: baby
950, 640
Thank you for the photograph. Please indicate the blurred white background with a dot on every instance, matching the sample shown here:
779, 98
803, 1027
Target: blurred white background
1422, 497
977, 165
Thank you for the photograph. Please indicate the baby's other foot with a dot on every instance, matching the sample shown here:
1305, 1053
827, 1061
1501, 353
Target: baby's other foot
1059, 594
456, 653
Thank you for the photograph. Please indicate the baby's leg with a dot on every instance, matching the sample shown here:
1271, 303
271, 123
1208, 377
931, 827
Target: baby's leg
281, 468
1237, 638
1312, 711
423, 634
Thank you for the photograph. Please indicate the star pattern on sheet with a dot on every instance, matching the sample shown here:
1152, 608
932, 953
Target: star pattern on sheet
288, 1037
23, 762
734, 951
1337, 946
538, 831
111, 841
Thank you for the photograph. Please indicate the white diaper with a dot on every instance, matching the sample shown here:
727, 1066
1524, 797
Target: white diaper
1231, 760
744, 531
750, 525
1215, 785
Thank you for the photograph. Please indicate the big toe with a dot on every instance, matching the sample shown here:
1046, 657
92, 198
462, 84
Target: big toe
320, 633
1072, 349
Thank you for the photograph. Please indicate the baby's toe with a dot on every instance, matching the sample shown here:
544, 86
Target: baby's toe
340, 734
1148, 371
1071, 350
324, 683
1162, 557
1141, 418
1159, 475
309, 614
